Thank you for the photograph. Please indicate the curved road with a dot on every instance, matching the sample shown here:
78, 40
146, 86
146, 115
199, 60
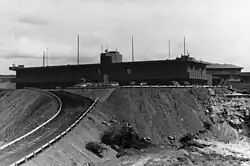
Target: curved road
73, 106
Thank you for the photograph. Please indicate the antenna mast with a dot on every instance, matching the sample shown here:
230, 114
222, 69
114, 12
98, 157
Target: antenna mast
132, 49
184, 46
78, 50
169, 49
43, 58
47, 56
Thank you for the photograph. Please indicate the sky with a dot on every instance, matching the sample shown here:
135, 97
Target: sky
215, 30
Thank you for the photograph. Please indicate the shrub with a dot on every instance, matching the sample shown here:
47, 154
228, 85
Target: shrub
124, 136
207, 125
185, 140
97, 148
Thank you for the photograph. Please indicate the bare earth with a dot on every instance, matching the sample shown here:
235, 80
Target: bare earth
158, 113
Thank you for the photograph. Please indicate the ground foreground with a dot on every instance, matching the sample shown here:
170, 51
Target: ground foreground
23, 110
193, 126
73, 107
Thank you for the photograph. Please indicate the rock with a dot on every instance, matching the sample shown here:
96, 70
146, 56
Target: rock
171, 138
106, 123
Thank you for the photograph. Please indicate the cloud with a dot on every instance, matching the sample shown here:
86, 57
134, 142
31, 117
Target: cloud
216, 31
33, 20
83, 60
16, 55
25, 47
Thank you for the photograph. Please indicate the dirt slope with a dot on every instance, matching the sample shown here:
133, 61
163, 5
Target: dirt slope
23, 110
70, 150
103, 94
155, 113
159, 113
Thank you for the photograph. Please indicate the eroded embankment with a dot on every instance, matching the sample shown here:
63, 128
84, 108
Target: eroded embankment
163, 114
70, 150
23, 110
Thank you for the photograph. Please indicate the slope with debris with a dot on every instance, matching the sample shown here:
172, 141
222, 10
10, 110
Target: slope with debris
155, 113
164, 116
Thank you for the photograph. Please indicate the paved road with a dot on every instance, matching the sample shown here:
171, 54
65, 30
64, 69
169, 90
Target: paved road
73, 107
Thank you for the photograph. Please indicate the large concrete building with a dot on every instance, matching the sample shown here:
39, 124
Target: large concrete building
183, 69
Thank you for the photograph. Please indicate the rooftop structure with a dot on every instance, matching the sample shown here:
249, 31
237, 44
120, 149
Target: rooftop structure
111, 57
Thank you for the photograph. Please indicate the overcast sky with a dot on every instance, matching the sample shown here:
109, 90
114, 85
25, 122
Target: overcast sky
215, 30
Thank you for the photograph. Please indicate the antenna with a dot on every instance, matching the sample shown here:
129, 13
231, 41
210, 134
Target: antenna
78, 49
43, 58
169, 49
102, 48
184, 46
132, 49
47, 56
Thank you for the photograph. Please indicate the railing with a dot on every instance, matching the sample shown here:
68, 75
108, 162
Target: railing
150, 86
34, 153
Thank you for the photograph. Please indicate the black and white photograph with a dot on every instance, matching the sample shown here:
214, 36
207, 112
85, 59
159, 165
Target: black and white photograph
125, 83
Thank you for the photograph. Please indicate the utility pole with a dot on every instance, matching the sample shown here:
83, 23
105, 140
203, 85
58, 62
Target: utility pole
43, 58
132, 49
184, 46
169, 49
47, 57
78, 50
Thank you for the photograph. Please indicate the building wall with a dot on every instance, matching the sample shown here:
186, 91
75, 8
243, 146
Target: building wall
153, 72
111, 57
223, 75
196, 72
245, 77
224, 71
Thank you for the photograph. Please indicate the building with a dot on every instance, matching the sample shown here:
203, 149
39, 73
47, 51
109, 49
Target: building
183, 69
109, 57
245, 77
7, 82
224, 73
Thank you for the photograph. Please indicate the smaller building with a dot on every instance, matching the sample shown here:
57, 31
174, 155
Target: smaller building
224, 73
7, 82
245, 77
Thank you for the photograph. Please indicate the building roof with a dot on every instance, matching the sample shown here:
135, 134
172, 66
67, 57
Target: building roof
119, 63
223, 66
7, 76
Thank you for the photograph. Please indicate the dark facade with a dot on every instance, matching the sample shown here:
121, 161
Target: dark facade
152, 72
245, 77
111, 57
224, 73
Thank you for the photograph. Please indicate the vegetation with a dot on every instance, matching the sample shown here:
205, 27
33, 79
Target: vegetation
124, 136
97, 148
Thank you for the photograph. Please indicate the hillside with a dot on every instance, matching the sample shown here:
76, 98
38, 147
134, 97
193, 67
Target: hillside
23, 110
155, 113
